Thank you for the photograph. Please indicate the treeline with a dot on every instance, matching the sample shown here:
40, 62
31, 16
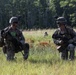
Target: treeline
37, 13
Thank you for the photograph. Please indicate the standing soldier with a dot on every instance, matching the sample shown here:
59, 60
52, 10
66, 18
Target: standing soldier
64, 37
14, 40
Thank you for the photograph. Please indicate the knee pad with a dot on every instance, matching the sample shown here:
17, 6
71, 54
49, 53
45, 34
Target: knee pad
27, 45
70, 47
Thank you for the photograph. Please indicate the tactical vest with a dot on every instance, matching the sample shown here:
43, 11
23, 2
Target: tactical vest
66, 34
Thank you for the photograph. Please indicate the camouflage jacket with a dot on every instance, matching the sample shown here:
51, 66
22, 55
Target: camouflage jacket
68, 34
15, 33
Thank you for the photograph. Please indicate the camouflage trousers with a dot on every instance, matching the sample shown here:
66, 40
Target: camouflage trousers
10, 51
68, 52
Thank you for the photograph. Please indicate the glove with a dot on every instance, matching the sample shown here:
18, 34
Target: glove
58, 42
22, 41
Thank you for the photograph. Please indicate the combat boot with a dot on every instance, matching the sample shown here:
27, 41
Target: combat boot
72, 55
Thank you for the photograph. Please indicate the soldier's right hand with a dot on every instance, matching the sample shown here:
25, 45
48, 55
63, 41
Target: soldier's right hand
60, 42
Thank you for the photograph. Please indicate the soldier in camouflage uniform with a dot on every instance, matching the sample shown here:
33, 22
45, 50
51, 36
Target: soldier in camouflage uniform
64, 37
14, 40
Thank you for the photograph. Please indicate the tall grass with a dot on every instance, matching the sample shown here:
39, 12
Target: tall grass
43, 59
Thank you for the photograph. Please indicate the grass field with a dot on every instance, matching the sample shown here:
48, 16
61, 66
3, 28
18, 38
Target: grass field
43, 58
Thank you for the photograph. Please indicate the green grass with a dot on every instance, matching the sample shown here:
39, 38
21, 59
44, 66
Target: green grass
43, 60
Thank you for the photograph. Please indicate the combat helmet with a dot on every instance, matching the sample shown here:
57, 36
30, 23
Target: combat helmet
61, 20
13, 20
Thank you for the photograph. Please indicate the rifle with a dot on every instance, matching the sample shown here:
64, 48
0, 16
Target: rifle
12, 40
63, 44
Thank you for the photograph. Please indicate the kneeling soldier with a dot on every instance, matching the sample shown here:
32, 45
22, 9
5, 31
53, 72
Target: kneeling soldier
14, 40
64, 37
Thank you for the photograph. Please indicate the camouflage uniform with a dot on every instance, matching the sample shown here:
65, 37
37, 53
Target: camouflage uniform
65, 41
15, 44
